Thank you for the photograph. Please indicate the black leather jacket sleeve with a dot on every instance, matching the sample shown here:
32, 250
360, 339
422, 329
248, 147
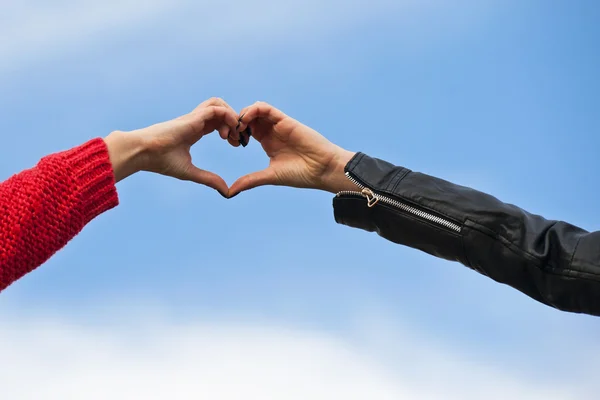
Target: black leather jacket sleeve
553, 262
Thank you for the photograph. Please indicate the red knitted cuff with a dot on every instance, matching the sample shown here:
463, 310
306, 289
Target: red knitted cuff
92, 171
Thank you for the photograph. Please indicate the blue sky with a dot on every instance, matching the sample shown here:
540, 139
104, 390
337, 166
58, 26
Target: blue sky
498, 95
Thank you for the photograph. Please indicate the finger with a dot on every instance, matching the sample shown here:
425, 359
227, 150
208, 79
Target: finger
224, 131
233, 142
225, 114
235, 137
221, 115
213, 101
260, 110
253, 180
234, 134
210, 179
244, 138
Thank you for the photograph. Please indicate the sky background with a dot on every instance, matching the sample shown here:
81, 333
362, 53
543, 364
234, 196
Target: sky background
180, 294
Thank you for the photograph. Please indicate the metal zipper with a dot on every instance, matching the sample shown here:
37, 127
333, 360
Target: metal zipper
374, 198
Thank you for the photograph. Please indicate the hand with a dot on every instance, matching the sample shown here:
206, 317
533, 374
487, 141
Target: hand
164, 148
299, 156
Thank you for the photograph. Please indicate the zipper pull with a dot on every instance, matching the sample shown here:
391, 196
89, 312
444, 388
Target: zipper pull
372, 199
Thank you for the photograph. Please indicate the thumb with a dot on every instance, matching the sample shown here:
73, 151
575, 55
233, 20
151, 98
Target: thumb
210, 179
250, 181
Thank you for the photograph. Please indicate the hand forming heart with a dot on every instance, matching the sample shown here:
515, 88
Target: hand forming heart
299, 156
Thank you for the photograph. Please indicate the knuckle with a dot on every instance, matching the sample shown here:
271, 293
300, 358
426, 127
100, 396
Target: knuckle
209, 111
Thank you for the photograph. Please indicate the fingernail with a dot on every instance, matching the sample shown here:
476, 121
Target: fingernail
239, 121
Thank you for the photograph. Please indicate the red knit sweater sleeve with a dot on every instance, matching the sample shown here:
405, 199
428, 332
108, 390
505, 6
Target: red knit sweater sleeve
42, 208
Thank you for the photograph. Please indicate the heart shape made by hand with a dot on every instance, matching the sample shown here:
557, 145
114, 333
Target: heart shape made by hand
298, 155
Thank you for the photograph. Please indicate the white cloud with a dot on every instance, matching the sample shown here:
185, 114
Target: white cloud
33, 30
52, 359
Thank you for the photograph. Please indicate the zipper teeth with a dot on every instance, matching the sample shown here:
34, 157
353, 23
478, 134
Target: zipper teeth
357, 183
349, 193
404, 207
420, 213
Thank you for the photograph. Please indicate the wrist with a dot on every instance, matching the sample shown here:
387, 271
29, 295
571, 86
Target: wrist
126, 153
335, 180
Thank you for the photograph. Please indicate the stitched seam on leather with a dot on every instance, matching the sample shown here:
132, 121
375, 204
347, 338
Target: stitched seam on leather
574, 274
400, 177
464, 247
550, 269
575, 251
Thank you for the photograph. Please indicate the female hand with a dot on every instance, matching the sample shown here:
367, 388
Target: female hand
299, 156
164, 148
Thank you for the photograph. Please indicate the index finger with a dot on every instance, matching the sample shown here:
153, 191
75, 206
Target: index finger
223, 114
260, 110
213, 101
200, 119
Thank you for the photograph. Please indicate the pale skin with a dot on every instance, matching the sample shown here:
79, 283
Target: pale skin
298, 155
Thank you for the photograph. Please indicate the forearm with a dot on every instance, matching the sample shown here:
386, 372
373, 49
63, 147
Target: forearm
552, 261
43, 208
126, 152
